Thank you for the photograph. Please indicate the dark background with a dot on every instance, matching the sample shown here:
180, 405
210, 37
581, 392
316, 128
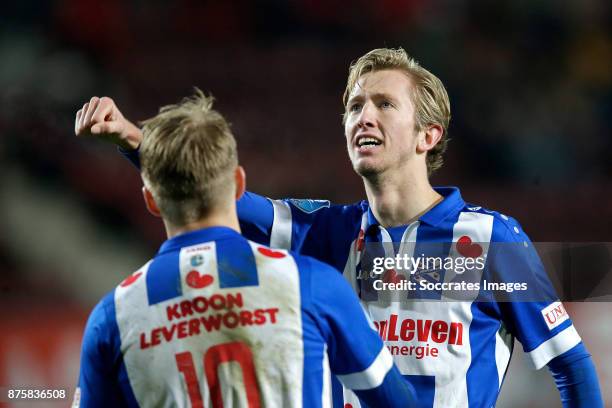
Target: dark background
529, 82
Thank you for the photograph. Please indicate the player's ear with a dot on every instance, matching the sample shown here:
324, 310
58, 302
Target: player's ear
240, 178
429, 138
150, 202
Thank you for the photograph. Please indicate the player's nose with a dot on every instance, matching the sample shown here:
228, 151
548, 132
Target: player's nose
367, 117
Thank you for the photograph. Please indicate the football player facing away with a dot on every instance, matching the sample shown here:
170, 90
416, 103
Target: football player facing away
215, 320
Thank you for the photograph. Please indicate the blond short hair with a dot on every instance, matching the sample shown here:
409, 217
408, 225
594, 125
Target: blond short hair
432, 105
188, 157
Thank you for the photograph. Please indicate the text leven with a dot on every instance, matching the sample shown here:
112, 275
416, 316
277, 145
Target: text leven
419, 330
223, 312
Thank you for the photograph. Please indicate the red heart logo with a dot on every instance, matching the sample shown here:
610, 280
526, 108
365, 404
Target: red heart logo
130, 279
195, 280
393, 277
270, 253
467, 249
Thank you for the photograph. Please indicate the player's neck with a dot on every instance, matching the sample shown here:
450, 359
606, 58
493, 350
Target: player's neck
223, 219
400, 199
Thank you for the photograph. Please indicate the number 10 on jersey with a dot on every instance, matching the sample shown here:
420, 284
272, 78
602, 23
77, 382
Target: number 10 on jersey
214, 356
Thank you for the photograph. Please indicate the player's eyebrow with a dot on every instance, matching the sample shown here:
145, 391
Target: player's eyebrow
374, 96
358, 97
383, 95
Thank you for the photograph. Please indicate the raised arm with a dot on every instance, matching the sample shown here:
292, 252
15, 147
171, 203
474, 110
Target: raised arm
101, 118
286, 224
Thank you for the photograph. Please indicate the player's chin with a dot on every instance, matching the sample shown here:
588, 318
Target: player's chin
366, 168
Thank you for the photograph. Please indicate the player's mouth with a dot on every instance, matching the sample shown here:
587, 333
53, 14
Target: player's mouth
367, 143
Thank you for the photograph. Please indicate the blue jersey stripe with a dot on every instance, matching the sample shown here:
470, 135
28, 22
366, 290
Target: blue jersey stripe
236, 264
313, 343
164, 278
337, 395
483, 331
425, 386
434, 241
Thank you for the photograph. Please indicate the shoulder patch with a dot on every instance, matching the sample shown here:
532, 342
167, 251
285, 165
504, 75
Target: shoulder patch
554, 314
309, 206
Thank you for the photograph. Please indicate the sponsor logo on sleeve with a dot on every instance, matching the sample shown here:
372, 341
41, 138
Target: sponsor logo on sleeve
309, 206
554, 314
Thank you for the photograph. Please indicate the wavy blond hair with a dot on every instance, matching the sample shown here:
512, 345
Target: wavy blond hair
432, 105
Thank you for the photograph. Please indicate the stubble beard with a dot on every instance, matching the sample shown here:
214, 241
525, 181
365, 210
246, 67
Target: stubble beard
368, 171
375, 172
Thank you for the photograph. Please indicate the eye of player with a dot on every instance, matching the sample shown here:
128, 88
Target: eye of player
355, 107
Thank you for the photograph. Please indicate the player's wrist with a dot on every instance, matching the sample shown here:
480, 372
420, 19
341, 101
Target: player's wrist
131, 138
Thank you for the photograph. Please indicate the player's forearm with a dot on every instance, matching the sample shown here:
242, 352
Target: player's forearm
131, 138
576, 379
395, 391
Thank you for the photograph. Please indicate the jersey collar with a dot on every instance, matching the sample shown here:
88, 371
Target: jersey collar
451, 204
197, 237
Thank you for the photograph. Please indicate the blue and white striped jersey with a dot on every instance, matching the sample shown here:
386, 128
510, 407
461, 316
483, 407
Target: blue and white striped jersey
454, 352
215, 320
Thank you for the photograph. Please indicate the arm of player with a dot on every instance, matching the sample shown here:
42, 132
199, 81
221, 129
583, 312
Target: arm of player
576, 379
357, 355
276, 223
540, 322
98, 377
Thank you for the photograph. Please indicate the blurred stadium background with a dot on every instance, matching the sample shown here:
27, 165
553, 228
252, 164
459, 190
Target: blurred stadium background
530, 85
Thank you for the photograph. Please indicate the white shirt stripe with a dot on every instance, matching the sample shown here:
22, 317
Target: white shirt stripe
280, 236
553, 347
327, 401
372, 376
